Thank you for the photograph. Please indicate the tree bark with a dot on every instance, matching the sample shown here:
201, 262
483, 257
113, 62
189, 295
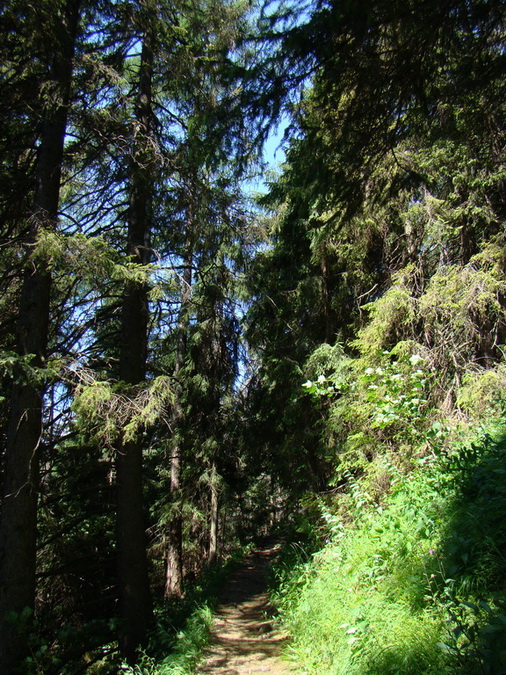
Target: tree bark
174, 566
135, 606
18, 519
213, 517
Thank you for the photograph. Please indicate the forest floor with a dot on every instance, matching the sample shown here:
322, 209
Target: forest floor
244, 639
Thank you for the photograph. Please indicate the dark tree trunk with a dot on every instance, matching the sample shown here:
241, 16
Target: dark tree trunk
467, 243
18, 519
133, 581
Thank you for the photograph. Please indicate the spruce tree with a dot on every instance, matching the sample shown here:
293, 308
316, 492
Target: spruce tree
18, 525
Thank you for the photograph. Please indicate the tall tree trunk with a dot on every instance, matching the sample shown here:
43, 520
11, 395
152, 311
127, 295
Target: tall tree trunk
18, 518
213, 516
133, 581
174, 567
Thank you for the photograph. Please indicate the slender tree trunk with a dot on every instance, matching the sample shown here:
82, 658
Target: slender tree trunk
213, 516
133, 581
174, 568
18, 518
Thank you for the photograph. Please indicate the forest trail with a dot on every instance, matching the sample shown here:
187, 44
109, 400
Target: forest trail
244, 640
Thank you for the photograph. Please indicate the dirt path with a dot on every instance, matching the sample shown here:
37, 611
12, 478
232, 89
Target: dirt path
244, 640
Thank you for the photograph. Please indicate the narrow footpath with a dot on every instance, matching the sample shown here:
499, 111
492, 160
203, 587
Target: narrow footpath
244, 640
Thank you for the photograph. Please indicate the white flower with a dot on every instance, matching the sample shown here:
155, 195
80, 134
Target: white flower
415, 359
321, 379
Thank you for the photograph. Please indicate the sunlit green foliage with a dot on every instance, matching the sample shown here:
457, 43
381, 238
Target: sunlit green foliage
415, 585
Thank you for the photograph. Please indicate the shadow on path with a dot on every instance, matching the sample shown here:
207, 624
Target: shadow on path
244, 640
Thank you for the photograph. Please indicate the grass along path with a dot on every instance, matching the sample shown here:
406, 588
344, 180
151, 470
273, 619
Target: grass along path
244, 640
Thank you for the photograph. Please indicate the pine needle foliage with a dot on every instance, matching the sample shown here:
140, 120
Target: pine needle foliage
111, 411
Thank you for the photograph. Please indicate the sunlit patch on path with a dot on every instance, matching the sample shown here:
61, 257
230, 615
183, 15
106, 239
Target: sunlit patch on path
244, 641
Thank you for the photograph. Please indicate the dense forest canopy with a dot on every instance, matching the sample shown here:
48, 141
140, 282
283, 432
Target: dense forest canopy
186, 366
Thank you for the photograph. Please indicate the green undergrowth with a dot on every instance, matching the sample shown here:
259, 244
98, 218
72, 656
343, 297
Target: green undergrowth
185, 651
415, 585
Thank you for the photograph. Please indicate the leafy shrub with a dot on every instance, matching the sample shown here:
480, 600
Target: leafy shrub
483, 393
416, 585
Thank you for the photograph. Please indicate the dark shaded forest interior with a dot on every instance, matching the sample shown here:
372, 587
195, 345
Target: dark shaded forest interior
200, 348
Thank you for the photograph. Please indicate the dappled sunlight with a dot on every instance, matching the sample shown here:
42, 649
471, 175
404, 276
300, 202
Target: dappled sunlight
244, 638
